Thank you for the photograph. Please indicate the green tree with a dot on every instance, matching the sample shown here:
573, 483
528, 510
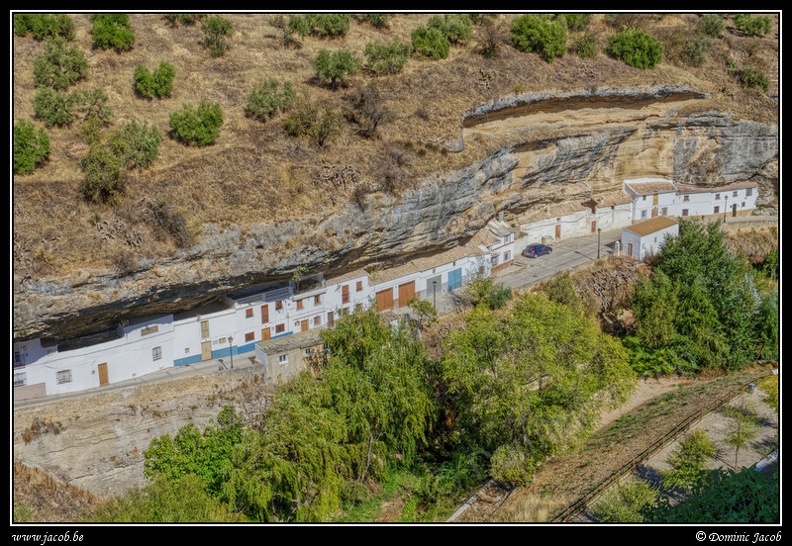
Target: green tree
44, 25
430, 42
31, 147
540, 34
387, 58
577, 21
186, 19
60, 65
136, 144
424, 310
158, 84
377, 20
54, 108
636, 48
626, 503
112, 31
197, 126
291, 26
334, 68
688, 460
328, 24
102, 172
457, 27
753, 78
742, 429
269, 99
309, 118
486, 291
752, 25
217, 30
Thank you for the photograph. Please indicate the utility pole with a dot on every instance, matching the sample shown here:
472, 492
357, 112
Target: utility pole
231, 350
599, 238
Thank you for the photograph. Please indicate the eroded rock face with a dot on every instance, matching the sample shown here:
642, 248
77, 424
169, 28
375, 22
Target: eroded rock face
566, 150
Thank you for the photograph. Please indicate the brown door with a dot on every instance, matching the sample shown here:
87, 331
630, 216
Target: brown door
654, 200
266, 333
330, 319
734, 210
303, 325
206, 350
204, 329
654, 212
385, 300
558, 231
345, 293
264, 314
593, 226
103, 380
406, 293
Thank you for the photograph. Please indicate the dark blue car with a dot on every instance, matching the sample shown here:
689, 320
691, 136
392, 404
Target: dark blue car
532, 251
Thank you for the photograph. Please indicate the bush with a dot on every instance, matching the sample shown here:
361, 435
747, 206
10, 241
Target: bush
268, 99
112, 31
295, 24
31, 147
53, 107
377, 20
711, 25
333, 68
694, 50
586, 46
577, 21
102, 170
752, 26
430, 42
328, 24
217, 30
455, 27
688, 460
93, 106
541, 35
636, 48
387, 58
485, 291
44, 25
491, 35
60, 65
309, 118
627, 503
753, 78
136, 145
158, 84
197, 126
367, 109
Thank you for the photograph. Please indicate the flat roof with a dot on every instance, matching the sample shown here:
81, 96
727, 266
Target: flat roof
651, 226
651, 187
300, 340
709, 189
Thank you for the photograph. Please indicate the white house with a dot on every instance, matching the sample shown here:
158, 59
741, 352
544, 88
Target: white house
498, 239
651, 197
731, 200
647, 238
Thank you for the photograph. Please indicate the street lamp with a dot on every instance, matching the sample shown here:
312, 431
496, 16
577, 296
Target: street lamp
725, 208
231, 350
599, 237
434, 294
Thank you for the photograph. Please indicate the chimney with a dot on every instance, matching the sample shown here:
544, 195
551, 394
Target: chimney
500, 216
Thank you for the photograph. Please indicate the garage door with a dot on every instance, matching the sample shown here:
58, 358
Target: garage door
385, 300
406, 293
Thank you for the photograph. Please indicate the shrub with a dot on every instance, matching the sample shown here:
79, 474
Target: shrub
93, 106
752, 26
31, 147
309, 118
158, 84
636, 48
626, 503
577, 21
328, 24
694, 50
455, 27
60, 65
377, 20
187, 19
541, 35
295, 24
333, 68
53, 107
688, 460
112, 31
387, 58
102, 170
268, 99
197, 126
367, 109
44, 25
395, 168
136, 145
753, 78
430, 42
491, 35
586, 46
217, 30
711, 25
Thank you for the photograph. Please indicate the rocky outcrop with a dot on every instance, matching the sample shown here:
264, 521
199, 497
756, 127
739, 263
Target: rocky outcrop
565, 150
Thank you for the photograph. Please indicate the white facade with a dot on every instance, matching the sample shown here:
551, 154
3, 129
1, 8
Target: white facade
730, 201
647, 238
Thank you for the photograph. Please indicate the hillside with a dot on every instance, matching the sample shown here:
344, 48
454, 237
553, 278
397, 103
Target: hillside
259, 204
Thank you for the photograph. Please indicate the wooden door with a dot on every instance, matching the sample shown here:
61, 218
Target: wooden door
304, 325
406, 293
206, 350
385, 299
330, 319
345, 293
654, 212
204, 329
655, 200
103, 379
265, 313
266, 333
734, 210
558, 231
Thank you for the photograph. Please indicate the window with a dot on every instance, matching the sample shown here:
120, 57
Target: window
742, 205
280, 328
685, 198
156, 353
204, 328
283, 359
299, 304
643, 198
643, 214
279, 305
748, 192
717, 196
506, 256
494, 259
684, 212
734, 193
309, 351
20, 379
250, 336
318, 299
318, 320
149, 330
248, 312
221, 340
345, 293
717, 210
63, 376
664, 211
359, 286
186, 350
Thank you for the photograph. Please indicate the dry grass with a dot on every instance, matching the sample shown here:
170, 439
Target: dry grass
38, 497
254, 173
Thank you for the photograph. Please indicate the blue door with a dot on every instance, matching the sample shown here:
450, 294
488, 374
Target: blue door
454, 279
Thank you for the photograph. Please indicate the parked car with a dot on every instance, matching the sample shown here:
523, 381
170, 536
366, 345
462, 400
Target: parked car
533, 251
